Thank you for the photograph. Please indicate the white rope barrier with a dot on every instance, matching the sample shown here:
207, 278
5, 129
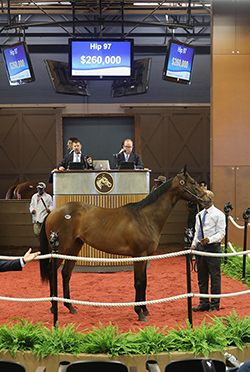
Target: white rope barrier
41, 299
125, 304
134, 259
235, 224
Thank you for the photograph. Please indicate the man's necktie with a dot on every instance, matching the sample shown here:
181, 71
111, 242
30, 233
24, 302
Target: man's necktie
202, 222
78, 158
127, 156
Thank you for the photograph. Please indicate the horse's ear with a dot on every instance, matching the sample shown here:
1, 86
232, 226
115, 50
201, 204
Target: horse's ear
184, 169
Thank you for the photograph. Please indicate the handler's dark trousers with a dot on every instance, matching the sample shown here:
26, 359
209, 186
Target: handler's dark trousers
209, 267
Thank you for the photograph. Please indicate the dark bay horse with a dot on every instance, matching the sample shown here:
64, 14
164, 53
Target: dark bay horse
25, 190
131, 230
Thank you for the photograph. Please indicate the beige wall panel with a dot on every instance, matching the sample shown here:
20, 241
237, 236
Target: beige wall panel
231, 110
224, 187
224, 27
243, 28
242, 187
231, 184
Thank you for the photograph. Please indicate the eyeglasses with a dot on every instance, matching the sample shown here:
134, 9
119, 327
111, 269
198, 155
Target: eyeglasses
128, 147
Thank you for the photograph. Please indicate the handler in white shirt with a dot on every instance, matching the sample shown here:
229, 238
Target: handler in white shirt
214, 225
40, 206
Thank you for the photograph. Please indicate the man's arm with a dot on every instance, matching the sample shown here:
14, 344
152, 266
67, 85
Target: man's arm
32, 204
138, 162
49, 203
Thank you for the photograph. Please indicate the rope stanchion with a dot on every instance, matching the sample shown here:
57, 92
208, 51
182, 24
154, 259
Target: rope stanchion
245, 216
54, 241
188, 238
227, 208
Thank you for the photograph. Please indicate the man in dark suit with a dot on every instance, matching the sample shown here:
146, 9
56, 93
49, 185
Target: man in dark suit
128, 155
18, 264
76, 156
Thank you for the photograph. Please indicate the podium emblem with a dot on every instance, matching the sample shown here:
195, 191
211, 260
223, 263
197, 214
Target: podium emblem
104, 183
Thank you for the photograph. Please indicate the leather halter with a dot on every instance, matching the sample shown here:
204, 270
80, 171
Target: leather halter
186, 189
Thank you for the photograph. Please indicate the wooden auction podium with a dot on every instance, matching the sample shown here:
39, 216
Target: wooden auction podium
107, 189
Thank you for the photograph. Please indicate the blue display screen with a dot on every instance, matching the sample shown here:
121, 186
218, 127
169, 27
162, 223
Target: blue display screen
104, 58
179, 62
17, 63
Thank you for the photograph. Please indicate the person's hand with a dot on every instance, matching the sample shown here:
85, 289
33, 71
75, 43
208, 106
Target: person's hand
34, 211
61, 168
193, 247
89, 160
204, 241
53, 170
47, 210
30, 256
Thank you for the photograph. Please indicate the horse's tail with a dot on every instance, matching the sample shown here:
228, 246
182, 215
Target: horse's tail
9, 193
44, 248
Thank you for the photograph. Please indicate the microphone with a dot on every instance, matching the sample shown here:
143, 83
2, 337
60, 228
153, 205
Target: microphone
77, 152
115, 155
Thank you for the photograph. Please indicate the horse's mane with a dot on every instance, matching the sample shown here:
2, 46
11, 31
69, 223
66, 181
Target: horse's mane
153, 196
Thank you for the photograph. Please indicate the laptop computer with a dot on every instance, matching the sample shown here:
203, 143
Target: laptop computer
101, 164
75, 165
127, 165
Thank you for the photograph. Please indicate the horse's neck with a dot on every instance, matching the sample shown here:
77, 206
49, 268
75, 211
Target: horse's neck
159, 211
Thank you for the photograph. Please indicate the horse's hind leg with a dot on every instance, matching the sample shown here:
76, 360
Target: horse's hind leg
66, 275
140, 283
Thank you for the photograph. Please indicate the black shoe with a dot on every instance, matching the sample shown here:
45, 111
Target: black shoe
201, 308
214, 308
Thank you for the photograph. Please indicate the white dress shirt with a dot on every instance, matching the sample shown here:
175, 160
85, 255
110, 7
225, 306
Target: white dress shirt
77, 157
37, 205
214, 226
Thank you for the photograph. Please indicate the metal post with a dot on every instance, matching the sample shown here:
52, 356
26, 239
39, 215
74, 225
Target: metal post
245, 216
54, 241
188, 238
227, 208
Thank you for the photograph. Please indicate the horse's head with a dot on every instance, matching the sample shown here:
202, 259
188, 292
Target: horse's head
190, 190
105, 181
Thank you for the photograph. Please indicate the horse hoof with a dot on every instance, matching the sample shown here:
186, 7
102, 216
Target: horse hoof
146, 313
142, 318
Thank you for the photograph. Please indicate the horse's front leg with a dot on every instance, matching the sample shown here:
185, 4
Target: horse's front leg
66, 275
140, 283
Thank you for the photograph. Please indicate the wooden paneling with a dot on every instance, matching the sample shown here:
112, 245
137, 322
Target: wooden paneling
170, 138
27, 145
174, 137
16, 228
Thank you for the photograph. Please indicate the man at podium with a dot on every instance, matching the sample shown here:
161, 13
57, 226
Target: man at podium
126, 154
